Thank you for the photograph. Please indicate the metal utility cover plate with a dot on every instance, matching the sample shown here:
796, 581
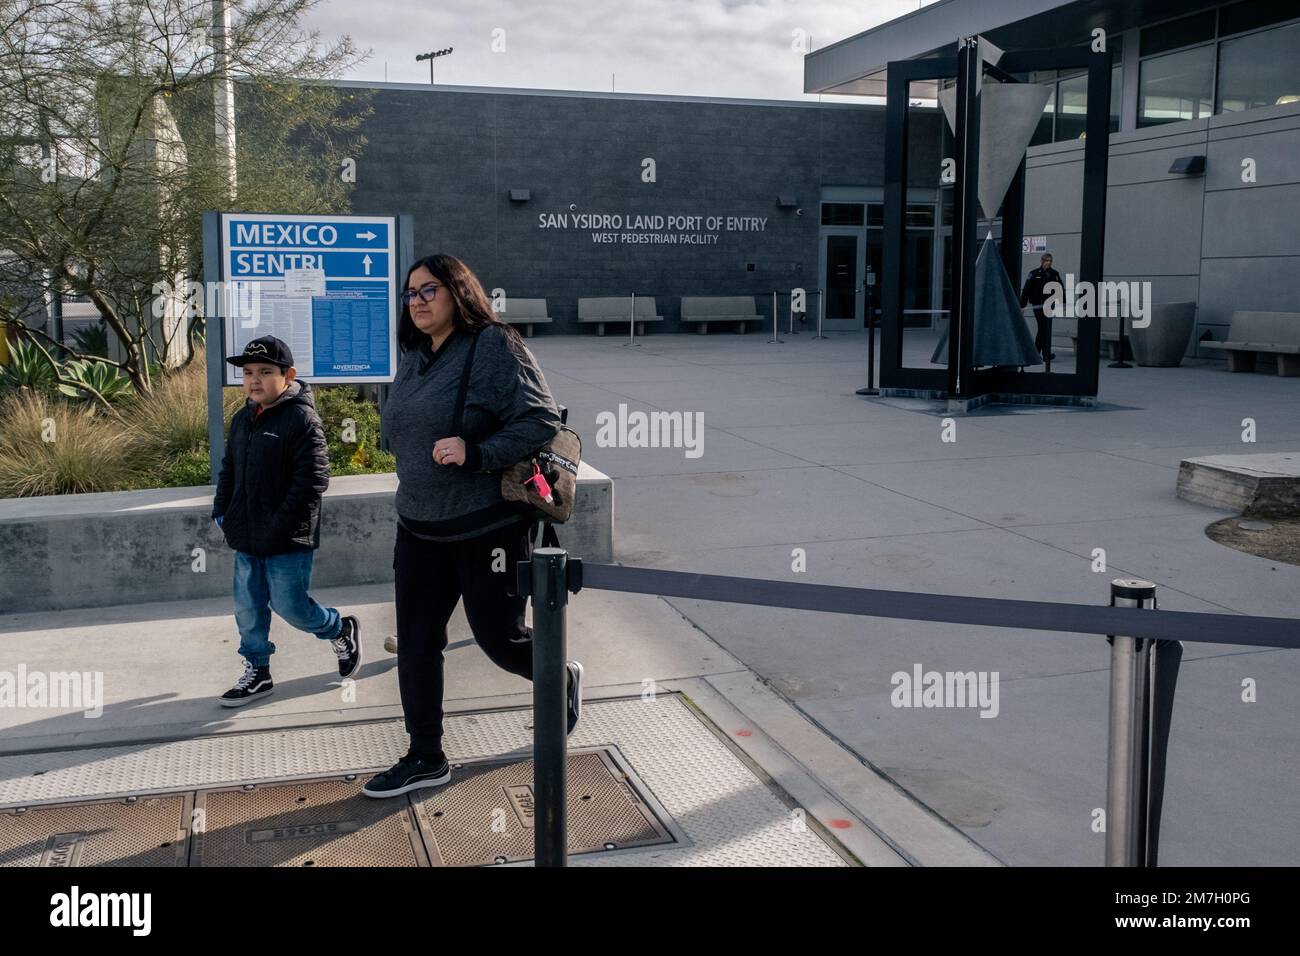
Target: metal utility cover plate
303, 823
485, 815
145, 831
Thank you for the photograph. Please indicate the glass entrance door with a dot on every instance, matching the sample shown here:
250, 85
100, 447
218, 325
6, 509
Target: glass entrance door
843, 266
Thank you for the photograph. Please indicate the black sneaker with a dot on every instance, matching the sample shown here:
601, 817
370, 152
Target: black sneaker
574, 693
410, 773
255, 682
347, 646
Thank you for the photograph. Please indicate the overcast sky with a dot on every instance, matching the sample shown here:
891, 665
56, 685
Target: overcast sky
688, 47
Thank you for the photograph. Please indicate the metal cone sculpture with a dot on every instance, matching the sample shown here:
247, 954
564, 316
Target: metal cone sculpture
1009, 113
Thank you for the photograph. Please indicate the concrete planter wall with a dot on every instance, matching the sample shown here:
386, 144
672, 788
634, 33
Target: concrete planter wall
129, 547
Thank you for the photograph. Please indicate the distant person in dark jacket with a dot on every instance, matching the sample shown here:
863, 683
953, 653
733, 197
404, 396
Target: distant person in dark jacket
1033, 294
268, 504
457, 537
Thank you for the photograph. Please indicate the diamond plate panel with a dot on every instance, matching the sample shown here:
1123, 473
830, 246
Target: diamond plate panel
304, 823
132, 832
485, 815
721, 813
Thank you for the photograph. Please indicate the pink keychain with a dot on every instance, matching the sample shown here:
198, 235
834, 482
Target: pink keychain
542, 488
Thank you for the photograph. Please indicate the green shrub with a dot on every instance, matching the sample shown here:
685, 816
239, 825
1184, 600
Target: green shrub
335, 404
186, 469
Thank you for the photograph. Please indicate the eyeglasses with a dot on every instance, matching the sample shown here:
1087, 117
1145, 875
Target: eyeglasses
427, 293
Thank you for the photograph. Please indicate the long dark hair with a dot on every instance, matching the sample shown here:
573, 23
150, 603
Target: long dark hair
473, 311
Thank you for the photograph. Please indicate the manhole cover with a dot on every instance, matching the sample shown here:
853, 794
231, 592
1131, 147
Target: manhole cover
144, 831
485, 815
306, 823
1249, 525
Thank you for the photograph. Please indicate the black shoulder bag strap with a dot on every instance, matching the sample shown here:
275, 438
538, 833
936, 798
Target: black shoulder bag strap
549, 538
458, 417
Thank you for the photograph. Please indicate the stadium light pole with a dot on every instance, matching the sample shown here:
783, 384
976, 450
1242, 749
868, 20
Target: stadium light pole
431, 57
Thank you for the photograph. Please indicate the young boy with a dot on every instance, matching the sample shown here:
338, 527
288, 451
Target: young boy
268, 505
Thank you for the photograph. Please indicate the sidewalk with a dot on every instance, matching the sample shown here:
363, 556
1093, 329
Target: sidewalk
742, 777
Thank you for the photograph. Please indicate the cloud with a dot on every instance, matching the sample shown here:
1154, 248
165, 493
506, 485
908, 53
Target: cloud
728, 48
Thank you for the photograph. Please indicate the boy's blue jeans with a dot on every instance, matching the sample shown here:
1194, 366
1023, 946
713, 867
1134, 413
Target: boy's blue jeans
278, 582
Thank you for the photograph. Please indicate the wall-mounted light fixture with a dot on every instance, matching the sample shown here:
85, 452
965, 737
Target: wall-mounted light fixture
520, 195
786, 201
1188, 165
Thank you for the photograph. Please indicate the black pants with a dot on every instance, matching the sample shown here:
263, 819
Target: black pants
430, 578
1043, 340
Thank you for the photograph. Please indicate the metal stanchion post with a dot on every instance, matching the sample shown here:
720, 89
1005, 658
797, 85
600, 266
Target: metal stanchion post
549, 591
1119, 349
821, 313
631, 323
776, 334
789, 330
1129, 748
867, 286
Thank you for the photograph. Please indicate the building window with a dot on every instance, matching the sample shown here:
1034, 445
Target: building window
1071, 107
1252, 14
1261, 69
1176, 86
1065, 116
841, 214
1198, 28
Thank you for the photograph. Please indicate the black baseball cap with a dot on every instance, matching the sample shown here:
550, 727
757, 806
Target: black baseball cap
267, 349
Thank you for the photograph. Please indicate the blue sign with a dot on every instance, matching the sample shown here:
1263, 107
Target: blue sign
326, 285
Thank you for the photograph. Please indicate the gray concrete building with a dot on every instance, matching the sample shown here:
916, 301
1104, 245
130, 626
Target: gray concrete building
1190, 79
565, 195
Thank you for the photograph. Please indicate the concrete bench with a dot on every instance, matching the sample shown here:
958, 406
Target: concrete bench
126, 547
703, 309
525, 312
610, 309
1250, 333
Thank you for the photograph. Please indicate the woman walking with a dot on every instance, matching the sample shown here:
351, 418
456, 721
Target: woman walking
453, 524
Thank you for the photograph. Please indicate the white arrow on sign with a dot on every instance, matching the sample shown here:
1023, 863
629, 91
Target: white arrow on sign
366, 235
366, 262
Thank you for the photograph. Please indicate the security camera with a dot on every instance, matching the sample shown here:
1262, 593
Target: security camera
573, 207
798, 212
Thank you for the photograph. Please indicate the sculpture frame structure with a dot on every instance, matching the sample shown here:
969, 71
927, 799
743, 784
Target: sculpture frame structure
970, 67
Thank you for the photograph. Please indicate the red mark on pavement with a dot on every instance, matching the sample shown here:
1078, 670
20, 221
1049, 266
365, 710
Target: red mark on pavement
744, 733
841, 824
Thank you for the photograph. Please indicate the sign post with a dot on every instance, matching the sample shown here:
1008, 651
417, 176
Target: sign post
325, 285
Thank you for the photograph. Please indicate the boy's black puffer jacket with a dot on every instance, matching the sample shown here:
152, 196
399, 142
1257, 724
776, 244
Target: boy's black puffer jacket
274, 471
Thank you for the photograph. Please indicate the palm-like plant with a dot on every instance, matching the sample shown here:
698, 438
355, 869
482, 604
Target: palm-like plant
92, 339
28, 368
92, 377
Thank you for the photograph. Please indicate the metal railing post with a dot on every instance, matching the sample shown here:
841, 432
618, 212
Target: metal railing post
1128, 754
821, 313
631, 324
776, 334
550, 595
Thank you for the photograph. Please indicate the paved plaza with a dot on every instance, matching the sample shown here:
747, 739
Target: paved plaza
791, 458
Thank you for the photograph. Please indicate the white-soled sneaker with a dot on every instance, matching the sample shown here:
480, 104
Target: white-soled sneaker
255, 682
575, 693
347, 647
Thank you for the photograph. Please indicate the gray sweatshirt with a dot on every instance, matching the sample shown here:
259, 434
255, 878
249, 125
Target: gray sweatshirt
509, 413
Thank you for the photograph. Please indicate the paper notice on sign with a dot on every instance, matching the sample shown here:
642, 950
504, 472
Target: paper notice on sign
289, 320
304, 283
